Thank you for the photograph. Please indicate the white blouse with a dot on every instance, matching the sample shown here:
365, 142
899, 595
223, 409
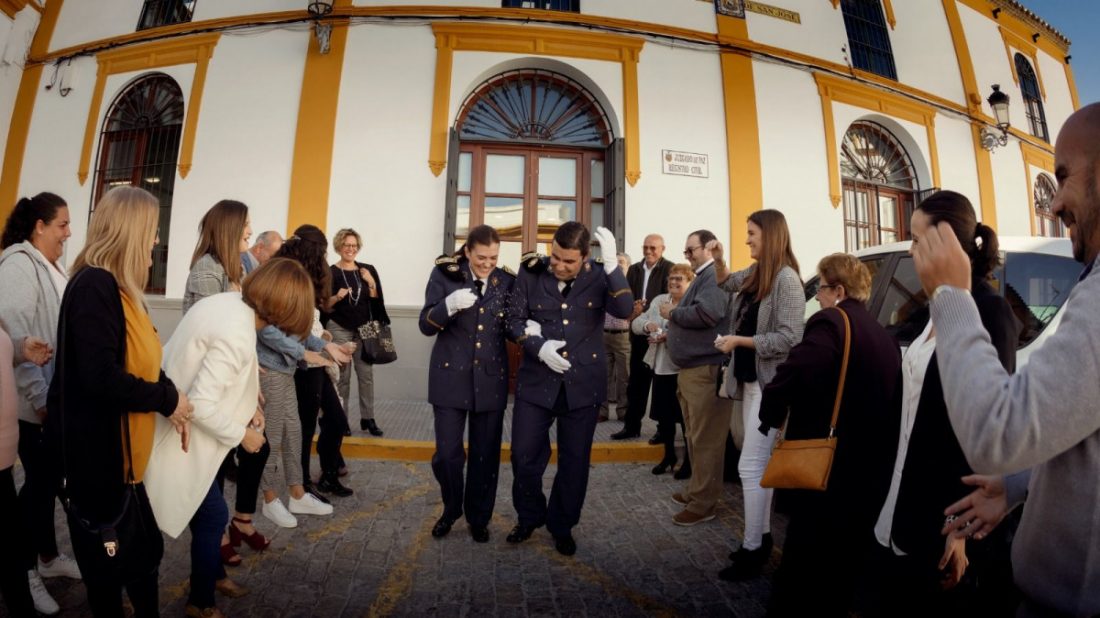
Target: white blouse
913, 368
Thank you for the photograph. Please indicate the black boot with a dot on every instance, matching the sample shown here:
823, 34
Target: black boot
665, 465
685, 470
368, 424
330, 484
747, 563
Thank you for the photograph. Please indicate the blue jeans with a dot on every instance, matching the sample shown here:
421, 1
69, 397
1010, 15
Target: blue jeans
207, 525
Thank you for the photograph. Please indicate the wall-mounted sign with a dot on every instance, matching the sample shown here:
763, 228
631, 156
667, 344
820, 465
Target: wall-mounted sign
773, 11
733, 8
685, 163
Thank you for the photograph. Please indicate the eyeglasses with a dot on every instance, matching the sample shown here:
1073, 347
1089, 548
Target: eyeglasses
347, 246
650, 248
677, 278
689, 250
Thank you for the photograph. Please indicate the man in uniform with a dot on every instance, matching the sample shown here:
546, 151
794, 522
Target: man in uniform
557, 315
464, 309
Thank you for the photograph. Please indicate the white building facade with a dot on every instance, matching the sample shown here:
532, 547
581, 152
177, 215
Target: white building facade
412, 122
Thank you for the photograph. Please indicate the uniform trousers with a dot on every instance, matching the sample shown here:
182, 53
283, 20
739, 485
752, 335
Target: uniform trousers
13, 570
476, 494
283, 430
706, 421
531, 452
364, 372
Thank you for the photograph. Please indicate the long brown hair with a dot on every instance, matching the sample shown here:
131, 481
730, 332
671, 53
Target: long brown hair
959, 213
120, 238
220, 233
775, 252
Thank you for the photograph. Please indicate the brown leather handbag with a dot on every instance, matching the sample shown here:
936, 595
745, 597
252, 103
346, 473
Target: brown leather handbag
805, 464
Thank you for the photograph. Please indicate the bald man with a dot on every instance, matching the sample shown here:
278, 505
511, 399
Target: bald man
1044, 417
647, 279
267, 245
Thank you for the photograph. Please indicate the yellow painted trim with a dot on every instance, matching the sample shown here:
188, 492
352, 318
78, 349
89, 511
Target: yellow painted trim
984, 165
889, 9
11, 7
1012, 17
1041, 159
742, 136
1072, 83
422, 450
535, 40
195, 49
861, 95
1012, 40
19, 129
311, 168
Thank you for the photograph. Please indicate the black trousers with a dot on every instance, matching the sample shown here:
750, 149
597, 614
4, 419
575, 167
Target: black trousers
36, 498
317, 393
13, 568
104, 587
531, 454
250, 467
667, 412
637, 387
475, 494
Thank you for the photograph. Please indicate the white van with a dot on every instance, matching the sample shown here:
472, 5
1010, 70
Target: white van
1035, 277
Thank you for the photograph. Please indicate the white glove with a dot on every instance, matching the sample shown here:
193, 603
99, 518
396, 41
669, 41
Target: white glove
548, 354
459, 300
607, 249
534, 329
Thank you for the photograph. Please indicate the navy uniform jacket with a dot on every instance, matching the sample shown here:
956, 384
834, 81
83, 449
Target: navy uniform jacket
469, 365
576, 320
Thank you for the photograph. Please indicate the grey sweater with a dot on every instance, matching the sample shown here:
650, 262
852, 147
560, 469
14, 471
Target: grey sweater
29, 306
1046, 417
702, 315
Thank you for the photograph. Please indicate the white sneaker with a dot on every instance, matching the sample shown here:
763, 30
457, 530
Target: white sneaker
309, 505
43, 602
61, 566
276, 512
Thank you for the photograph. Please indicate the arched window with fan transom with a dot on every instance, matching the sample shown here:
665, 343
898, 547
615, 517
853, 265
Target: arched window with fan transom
139, 146
880, 186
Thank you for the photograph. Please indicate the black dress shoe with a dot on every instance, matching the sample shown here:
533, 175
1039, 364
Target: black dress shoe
371, 426
684, 472
565, 545
330, 484
766, 544
656, 439
663, 467
311, 489
626, 434
521, 533
442, 527
480, 534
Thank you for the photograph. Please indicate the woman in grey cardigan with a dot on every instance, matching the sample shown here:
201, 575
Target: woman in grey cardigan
766, 320
33, 281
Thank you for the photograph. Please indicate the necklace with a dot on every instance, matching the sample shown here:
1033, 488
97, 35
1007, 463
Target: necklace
353, 294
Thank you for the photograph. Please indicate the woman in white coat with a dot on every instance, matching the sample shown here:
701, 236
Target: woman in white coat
212, 357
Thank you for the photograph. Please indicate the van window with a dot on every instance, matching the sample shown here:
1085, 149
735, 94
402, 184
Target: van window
1036, 286
904, 311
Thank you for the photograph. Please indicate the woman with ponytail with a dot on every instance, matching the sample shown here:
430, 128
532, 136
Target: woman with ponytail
913, 562
33, 280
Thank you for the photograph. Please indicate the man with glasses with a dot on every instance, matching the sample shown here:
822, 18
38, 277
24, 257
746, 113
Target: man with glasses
693, 325
647, 279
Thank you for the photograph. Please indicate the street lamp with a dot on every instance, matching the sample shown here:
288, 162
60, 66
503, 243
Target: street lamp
323, 31
999, 102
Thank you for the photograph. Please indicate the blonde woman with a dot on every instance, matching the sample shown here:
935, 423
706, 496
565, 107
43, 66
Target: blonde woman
107, 387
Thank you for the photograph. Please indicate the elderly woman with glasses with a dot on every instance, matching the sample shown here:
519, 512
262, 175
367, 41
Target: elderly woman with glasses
356, 299
828, 531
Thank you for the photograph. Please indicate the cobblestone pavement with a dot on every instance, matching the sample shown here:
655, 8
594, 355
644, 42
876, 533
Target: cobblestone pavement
375, 556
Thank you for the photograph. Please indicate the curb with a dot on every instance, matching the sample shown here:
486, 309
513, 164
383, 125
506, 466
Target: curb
421, 450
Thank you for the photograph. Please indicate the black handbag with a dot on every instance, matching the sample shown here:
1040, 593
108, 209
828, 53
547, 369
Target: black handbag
378, 347
127, 548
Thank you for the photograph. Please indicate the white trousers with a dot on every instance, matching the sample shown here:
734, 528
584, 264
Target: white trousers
755, 453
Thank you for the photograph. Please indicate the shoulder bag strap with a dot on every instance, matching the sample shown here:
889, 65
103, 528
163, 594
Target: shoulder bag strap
840, 382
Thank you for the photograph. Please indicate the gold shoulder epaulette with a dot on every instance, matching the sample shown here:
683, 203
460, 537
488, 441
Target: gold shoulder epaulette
448, 265
533, 262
